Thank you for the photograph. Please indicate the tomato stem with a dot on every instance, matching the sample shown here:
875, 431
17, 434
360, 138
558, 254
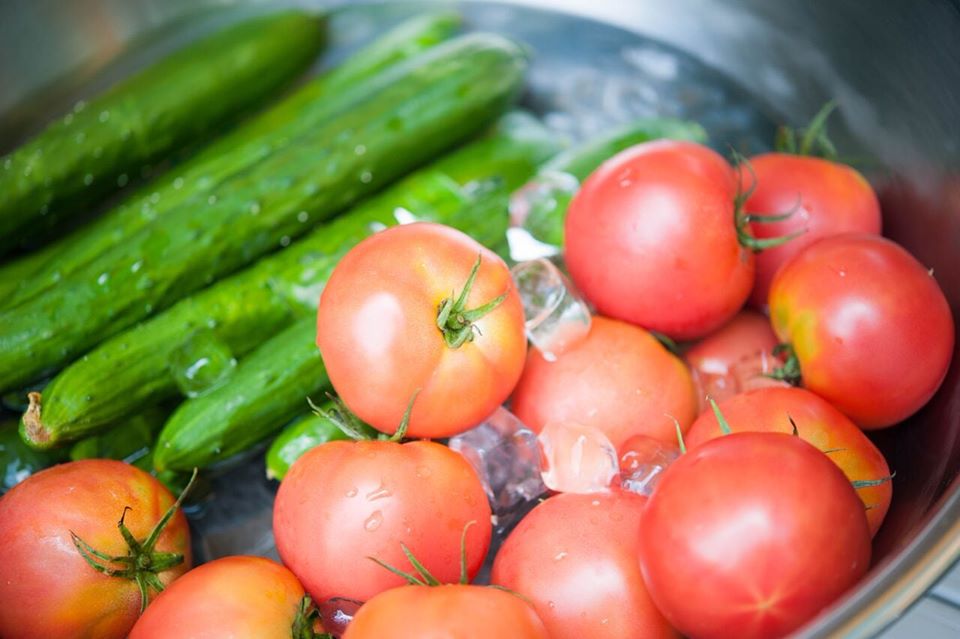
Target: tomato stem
742, 219
811, 140
790, 371
303, 622
676, 425
143, 563
455, 321
869, 483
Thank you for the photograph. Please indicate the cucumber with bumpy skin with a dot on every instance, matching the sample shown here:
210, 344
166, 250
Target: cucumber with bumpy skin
131, 441
84, 155
305, 108
415, 111
467, 189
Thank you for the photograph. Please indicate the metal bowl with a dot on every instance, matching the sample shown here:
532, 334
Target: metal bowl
739, 67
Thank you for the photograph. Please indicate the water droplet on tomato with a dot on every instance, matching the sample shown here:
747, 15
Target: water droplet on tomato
373, 521
352, 492
379, 493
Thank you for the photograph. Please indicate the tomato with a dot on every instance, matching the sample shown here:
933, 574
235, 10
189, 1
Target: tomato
344, 502
651, 238
819, 423
736, 357
826, 198
236, 597
575, 558
453, 610
750, 535
870, 328
619, 379
377, 329
47, 589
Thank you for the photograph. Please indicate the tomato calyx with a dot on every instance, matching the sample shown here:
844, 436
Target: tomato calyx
455, 321
357, 430
742, 219
790, 371
143, 563
811, 140
305, 621
423, 576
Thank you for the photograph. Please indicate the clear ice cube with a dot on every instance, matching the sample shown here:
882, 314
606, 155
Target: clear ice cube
642, 463
576, 458
505, 455
201, 363
555, 315
541, 205
337, 613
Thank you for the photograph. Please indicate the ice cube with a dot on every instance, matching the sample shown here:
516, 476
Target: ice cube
505, 455
576, 458
337, 613
642, 463
556, 317
203, 362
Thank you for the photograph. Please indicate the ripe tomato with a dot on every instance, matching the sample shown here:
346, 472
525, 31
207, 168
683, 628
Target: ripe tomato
453, 610
344, 502
819, 423
47, 589
651, 238
750, 535
575, 558
377, 329
734, 358
236, 597
827, 198
870, 328
619, 379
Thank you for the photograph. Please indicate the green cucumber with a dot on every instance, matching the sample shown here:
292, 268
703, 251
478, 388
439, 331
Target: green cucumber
302, 110
186, 96
412, 112
131, 441
278, 376
546, 214
466, 189
297, 438
17, 460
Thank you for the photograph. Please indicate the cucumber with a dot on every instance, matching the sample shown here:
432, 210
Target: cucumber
466, 189
414, 111
132, 441
189, 94
17, 460
547, 214
297, 438
281, 374
302, 110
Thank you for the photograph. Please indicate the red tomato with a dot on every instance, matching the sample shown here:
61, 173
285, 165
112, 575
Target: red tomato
344, 502
377, 331
47, 589
819, 423
461, 611
826, 198
575, 557
236, 597
750, 535
651, 239
871, 329
619, 379
734, 358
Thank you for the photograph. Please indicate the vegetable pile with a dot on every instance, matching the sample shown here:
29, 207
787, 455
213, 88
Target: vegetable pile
657, 428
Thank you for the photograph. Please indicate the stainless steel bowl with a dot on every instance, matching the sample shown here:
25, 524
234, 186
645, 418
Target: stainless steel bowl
740, 67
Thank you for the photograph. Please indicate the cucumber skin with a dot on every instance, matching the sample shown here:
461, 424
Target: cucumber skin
148, 115
545, 223
130, 370
306, 107
297, 438
131, 441
423, 107
281, 374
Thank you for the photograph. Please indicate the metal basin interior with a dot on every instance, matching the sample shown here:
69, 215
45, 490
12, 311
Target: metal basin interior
739, 67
